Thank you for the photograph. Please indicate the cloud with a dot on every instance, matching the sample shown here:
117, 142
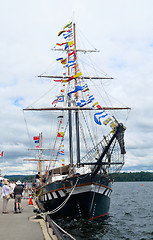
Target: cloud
121, 30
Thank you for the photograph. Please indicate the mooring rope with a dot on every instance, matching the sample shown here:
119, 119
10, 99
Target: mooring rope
63, 204
63, 230
43, 215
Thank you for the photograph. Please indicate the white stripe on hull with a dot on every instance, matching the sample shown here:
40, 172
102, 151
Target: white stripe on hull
89, 188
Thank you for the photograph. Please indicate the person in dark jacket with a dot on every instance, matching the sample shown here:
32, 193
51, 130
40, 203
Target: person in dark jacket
17, 195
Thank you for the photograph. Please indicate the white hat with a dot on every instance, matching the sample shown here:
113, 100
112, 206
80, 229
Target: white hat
18, 182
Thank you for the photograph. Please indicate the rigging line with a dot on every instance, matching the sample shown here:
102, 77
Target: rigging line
27, 128
50, 152
94, 65
96, 72
85, 38
93, 125
90, 65
98, 89
116, 100
88, 129
58, 127
83, 135
42, 96
127, 116
61, 141
51, 66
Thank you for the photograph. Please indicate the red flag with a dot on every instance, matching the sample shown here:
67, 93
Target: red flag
98, 106
71, 53
58, 80
36, 138
69, 79
60, 134
60, 44
1, 154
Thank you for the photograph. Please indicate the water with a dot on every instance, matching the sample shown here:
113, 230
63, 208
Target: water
130, 216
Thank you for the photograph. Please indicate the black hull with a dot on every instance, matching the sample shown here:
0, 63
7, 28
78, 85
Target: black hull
90, 198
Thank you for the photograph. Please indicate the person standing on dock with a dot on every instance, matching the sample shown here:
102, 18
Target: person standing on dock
37, 180
18, 195
6, 191
12, 185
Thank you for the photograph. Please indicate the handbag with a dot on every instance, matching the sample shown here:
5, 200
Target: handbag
7, 196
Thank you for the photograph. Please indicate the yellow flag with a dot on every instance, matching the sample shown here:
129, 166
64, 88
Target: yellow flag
95, 103
107, 121
64, 61
70, 43
77, 75
113, 125
69, 25
60, 33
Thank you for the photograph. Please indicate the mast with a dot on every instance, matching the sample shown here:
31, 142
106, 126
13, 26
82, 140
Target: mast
76, 111
40, 157
70, 134
70, 128
39, 160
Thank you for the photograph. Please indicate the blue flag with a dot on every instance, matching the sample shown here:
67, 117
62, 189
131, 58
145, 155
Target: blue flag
60, 98
78, 88
65, 35
98, 116
70, 63
82, 103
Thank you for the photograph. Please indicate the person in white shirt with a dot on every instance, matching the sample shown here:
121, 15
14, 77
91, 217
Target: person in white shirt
6, 191
12, 185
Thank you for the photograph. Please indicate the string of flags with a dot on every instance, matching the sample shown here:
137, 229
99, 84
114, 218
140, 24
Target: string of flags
82, 103
36, 140
61, 136
71, 63
83, 88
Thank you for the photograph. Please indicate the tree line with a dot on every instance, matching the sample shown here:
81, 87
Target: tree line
121, 177
133, 177
22, 178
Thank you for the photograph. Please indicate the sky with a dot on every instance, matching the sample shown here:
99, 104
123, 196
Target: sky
121, 30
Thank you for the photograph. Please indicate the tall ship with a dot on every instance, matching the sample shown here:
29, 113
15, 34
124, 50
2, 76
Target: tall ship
87, 140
